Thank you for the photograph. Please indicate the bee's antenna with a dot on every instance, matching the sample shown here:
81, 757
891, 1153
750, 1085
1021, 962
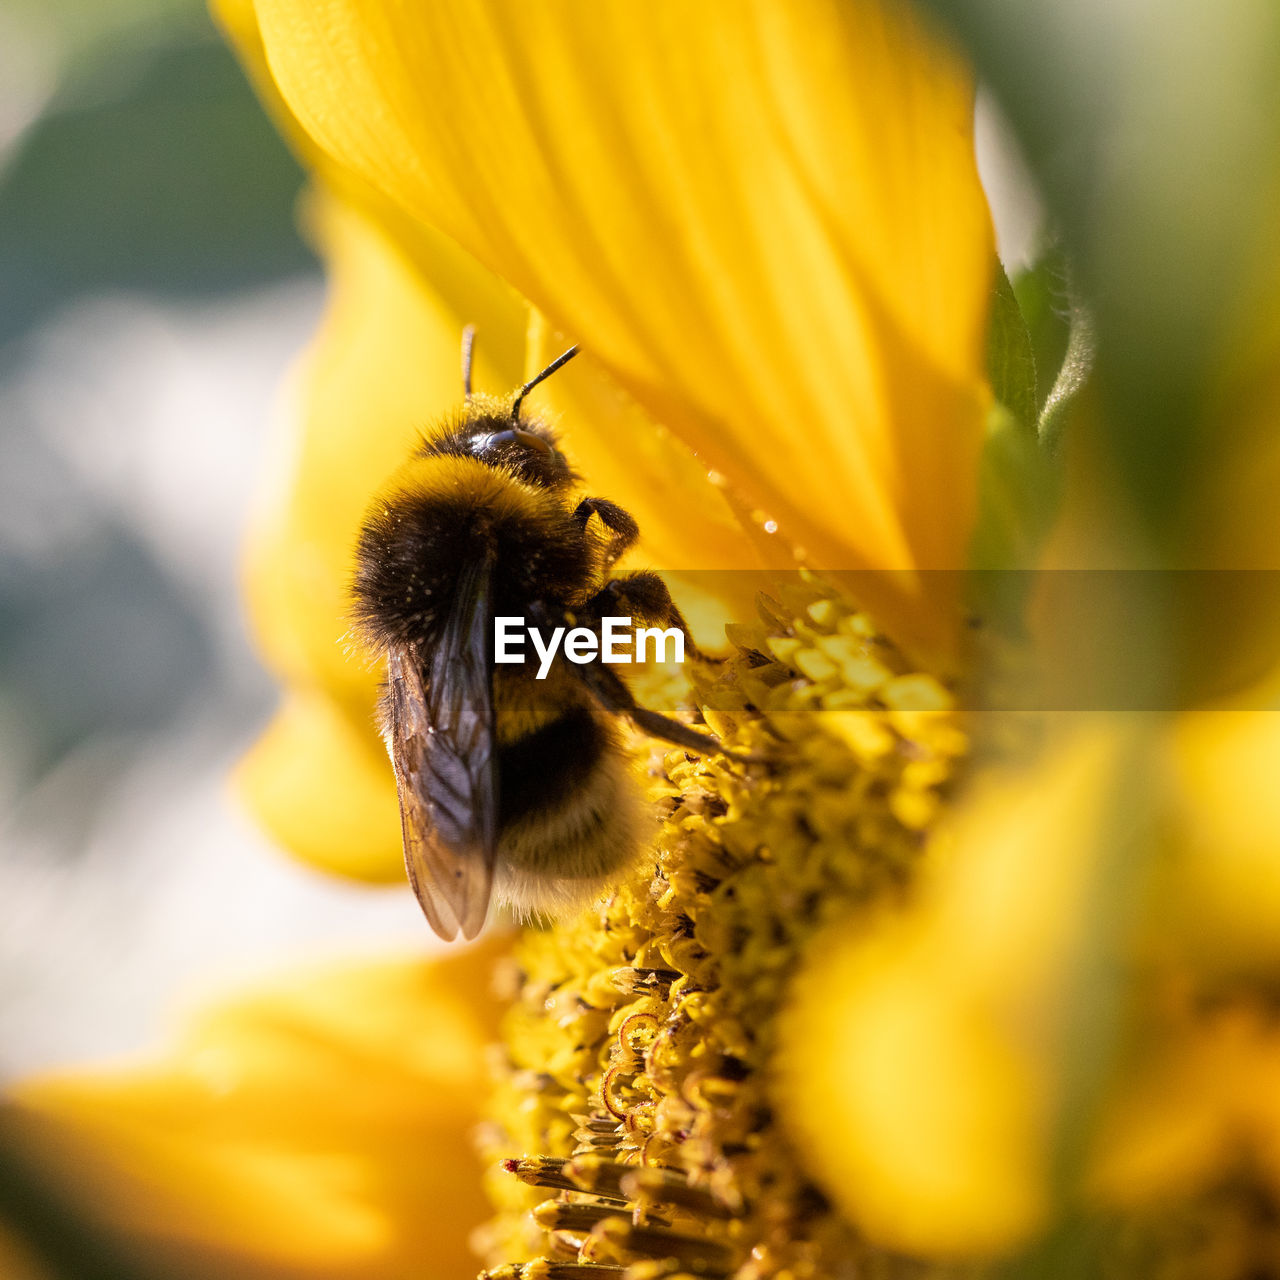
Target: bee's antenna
533, 382
468, 345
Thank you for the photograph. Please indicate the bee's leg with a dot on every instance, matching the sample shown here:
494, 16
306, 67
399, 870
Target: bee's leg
614, 696
620, 524
643, 597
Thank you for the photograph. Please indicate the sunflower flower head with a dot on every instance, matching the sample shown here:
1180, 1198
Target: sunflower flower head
641, 1046
845, 1016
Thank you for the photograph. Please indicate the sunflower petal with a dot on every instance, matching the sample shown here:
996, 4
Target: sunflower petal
688, 526
765, 224
319, 782
925, 1066
319, 1128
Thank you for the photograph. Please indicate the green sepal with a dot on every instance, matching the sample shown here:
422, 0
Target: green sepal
1011, 361
1017, 484
1044, 297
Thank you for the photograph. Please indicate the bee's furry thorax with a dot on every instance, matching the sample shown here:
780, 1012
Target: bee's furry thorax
443, 510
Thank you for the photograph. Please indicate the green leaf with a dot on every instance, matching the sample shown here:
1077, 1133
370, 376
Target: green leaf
1011, 363
1017, 486
1044, 298
1061, 332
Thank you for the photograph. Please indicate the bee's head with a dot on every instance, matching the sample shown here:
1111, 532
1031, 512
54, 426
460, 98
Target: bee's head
527, 448
500, 437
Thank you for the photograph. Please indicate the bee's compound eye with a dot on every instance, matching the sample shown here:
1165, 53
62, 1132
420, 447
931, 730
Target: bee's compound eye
530, 441
512, 435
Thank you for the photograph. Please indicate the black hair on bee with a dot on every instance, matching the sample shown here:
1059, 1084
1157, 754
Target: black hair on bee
509, 785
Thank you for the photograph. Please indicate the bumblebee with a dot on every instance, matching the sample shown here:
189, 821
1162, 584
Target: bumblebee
509, 785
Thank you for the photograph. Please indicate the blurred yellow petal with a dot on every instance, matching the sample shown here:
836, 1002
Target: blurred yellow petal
1185, 1113
952, 1040
765, 224
1216, 901
319, 781
319, 1127
911, 1111
922, 1067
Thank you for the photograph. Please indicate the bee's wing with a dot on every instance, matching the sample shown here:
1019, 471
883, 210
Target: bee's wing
441, 742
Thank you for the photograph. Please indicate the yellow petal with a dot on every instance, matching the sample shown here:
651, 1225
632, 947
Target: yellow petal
318, 1127
685, 520
923, 1067
320, 783
765, 223
688, 527
619, 451
912, 1112
1216, 901
1185, 1111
